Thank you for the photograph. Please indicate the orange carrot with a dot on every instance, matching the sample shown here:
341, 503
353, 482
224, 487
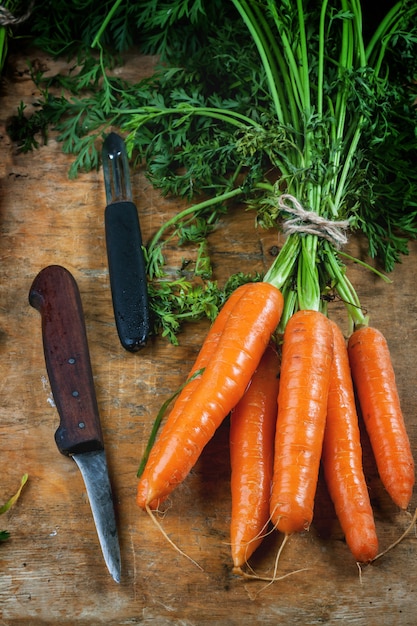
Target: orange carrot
302, 407
203, 358
206, 352
252, 430
374, 380
342, 458
244, 338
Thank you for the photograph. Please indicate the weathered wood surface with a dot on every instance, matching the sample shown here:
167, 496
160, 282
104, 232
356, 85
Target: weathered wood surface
51, 570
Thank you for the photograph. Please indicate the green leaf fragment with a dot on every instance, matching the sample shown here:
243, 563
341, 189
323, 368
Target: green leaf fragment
13, 499
4, 534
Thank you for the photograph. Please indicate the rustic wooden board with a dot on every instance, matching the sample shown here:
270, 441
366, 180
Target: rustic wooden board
51, 570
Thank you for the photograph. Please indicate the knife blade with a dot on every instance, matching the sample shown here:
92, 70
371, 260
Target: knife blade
126, 262
54, 293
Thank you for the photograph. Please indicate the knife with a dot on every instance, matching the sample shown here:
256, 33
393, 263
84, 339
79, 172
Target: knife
127, 268
54, 293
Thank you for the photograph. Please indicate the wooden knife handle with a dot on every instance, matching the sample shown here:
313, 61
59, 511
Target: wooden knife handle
127, 273
54, 293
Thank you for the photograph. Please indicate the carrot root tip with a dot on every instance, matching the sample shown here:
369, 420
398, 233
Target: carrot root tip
400, 538
166, 536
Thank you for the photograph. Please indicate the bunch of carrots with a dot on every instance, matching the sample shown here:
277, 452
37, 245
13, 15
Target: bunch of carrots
292, 407
273, 358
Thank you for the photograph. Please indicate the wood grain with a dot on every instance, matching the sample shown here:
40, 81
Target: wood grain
51, 570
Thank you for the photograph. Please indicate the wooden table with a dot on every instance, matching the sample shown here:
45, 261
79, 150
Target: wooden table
51, 569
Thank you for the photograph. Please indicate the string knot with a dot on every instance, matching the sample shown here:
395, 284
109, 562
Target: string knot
311, 223
7, 18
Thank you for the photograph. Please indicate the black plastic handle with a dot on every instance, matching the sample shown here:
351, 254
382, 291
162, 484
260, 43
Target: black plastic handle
127, 272
54, 293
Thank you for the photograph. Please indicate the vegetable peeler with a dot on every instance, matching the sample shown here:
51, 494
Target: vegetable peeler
126, 262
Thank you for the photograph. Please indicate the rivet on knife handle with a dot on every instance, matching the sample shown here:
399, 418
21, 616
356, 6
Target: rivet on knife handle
127, 269
55, 295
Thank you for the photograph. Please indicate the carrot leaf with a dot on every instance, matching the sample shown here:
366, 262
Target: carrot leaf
319, 96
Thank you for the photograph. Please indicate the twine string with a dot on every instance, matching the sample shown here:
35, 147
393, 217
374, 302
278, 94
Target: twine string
7, 18
311, 223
